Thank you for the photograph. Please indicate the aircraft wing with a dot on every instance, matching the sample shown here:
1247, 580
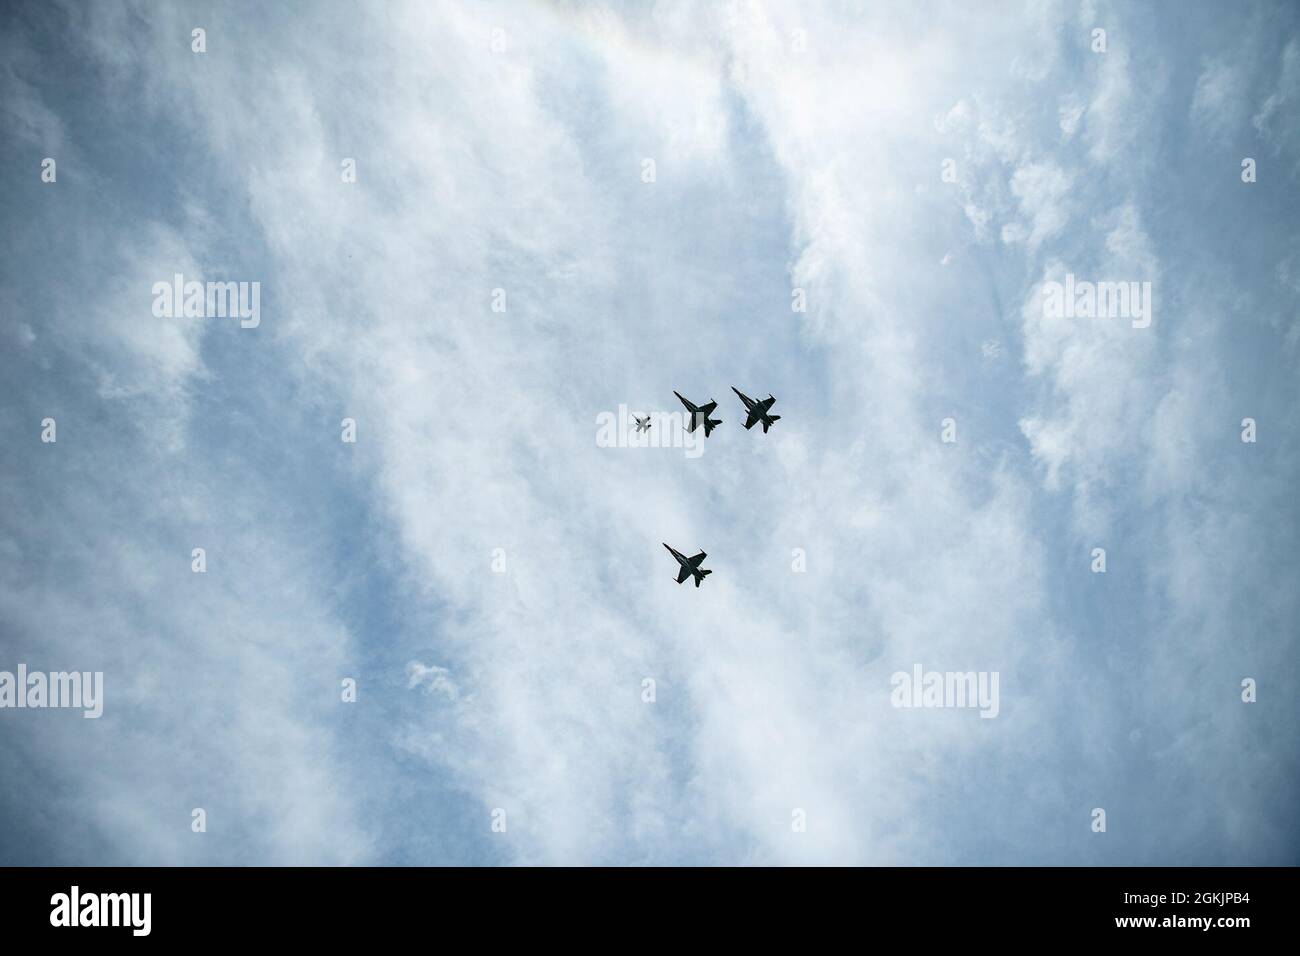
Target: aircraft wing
683, 574
697, 560
766, 403
707, 410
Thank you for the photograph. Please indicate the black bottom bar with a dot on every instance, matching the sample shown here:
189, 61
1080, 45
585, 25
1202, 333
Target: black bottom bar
331, 906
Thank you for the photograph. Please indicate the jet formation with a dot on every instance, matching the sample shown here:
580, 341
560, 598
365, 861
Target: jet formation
758, 410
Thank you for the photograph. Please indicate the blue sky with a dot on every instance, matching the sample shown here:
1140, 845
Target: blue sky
795, 146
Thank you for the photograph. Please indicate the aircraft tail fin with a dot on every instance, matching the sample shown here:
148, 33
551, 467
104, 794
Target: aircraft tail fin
700, 575
768, 423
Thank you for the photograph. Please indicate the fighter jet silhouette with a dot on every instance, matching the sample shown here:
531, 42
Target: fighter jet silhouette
757, 410
700, 415
642, 424
690, 566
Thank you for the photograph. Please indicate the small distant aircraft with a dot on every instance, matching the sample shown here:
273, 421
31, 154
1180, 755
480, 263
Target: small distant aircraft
642, 424
700, 415
690, 566
757, 410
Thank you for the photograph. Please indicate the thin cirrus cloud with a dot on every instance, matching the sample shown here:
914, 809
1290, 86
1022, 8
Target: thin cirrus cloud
779, 164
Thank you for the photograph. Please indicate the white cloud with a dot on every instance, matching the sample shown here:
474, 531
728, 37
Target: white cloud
1099, 372
1042, 191
1071, 112
1276, 117
1219, 99
432, 678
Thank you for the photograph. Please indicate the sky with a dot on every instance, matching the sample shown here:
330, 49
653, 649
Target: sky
492, 577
